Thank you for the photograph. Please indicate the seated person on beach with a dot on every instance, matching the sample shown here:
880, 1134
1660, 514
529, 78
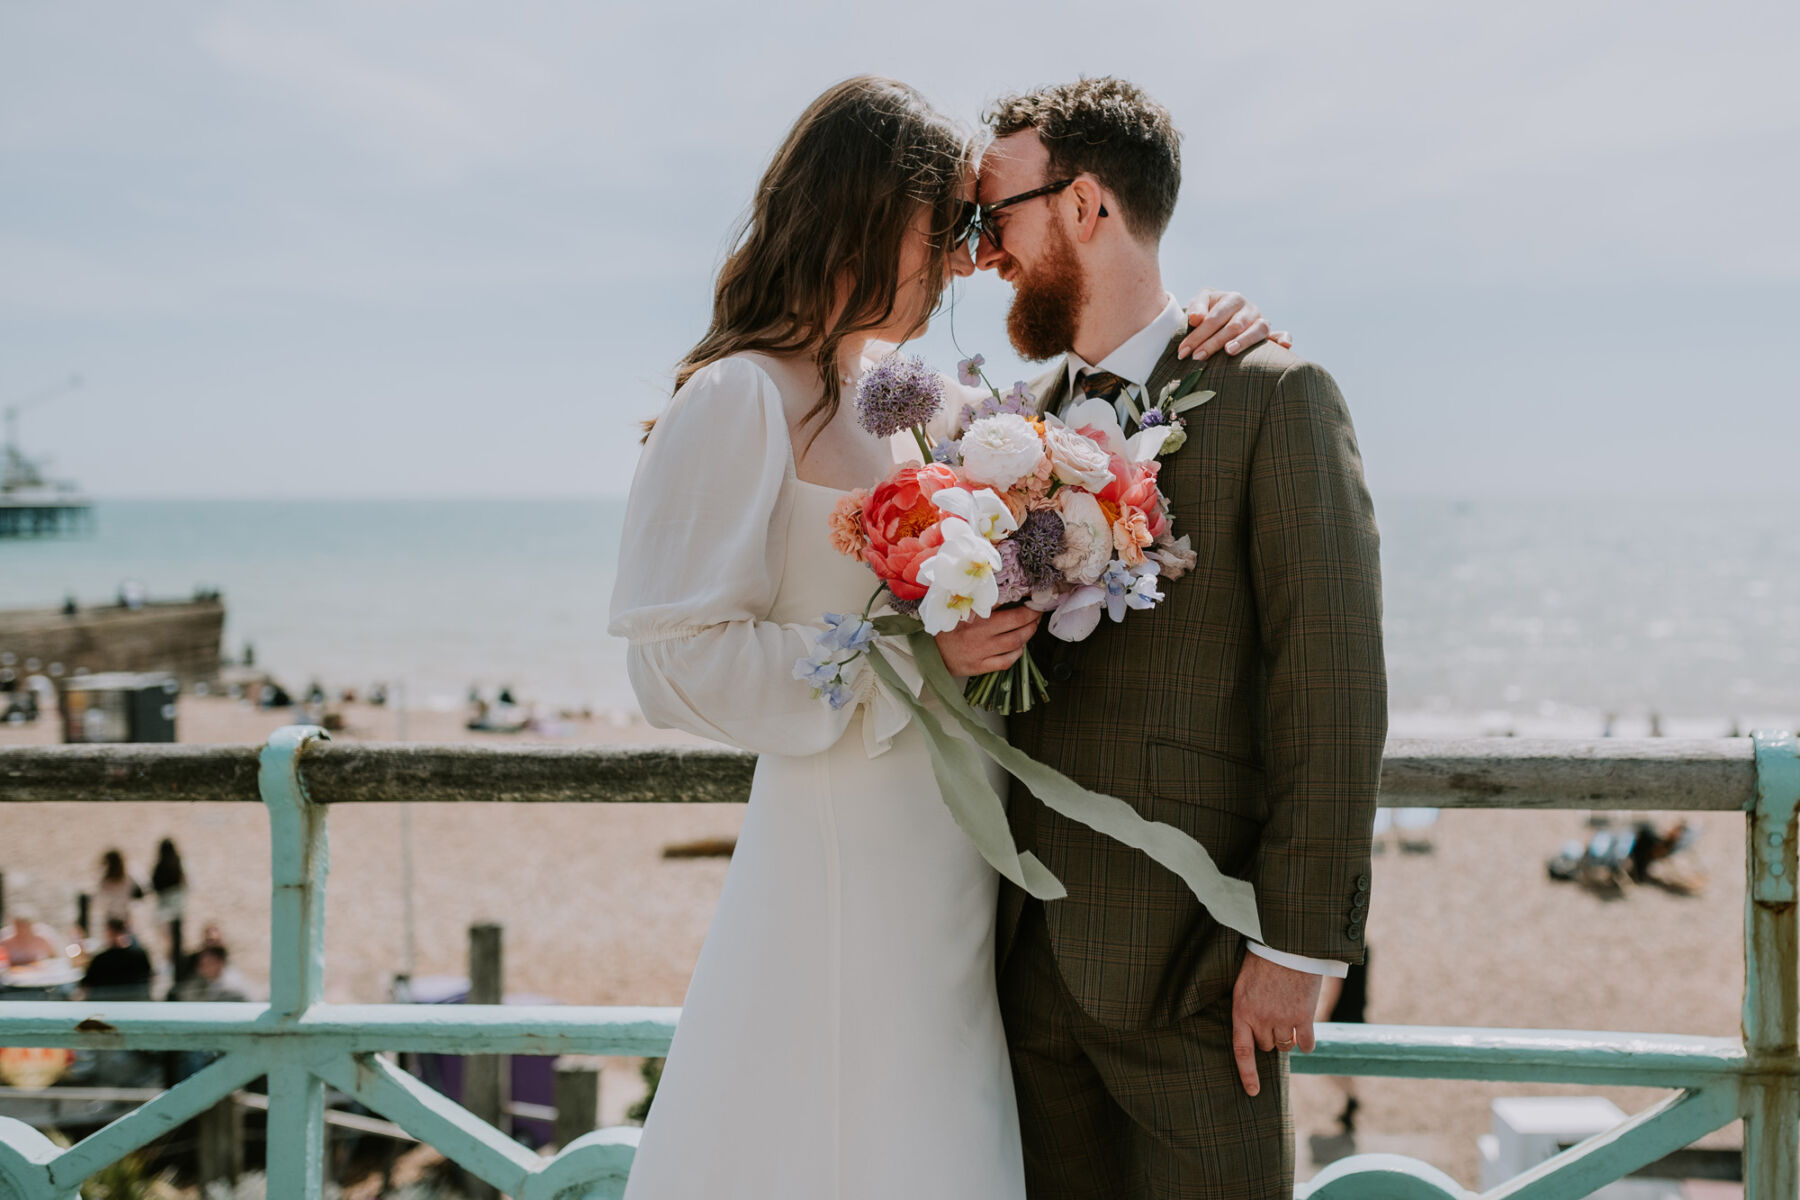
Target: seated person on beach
208, 983
26, 944
120, 968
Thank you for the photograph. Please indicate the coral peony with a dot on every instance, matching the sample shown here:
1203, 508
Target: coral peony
901, 525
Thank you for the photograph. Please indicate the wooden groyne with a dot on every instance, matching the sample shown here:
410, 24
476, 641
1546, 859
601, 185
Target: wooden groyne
180, 637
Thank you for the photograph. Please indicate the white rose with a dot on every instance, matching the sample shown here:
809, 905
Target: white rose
1078, 461
1000, 450
1087, 538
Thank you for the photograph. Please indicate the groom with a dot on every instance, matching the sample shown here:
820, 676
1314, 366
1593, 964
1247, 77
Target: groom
1249, 708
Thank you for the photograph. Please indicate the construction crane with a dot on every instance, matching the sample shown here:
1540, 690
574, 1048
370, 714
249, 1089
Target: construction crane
17, 471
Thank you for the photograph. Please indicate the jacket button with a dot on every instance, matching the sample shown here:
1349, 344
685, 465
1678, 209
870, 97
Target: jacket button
1353, 931
1362, 883
1357, 908
1062, 672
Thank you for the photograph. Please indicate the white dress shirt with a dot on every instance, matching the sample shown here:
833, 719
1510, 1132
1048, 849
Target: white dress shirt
1136, 357
1133, 362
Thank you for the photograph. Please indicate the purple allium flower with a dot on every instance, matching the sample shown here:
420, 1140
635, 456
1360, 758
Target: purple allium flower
1014, 584
897, 394
1152, 418
1039, 541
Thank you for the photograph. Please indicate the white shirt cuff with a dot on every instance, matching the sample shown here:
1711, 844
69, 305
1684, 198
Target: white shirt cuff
1329, 967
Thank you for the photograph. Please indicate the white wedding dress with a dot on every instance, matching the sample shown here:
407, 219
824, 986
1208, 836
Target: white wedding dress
841, 1037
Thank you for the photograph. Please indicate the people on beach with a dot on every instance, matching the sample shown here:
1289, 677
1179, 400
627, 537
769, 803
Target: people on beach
117, 893
26, 942
168, 880
122, 970
1345, 1002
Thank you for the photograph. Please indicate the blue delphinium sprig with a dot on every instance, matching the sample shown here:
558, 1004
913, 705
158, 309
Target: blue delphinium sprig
845, 638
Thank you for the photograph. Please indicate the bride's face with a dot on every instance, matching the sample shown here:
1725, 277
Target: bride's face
914, 301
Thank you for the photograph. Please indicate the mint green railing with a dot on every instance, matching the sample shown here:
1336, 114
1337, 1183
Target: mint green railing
302, 1044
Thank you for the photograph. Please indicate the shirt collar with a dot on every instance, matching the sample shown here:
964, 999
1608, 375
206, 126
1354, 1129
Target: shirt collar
1137, 357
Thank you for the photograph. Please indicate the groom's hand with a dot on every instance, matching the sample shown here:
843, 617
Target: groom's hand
1272, 1008
983, 644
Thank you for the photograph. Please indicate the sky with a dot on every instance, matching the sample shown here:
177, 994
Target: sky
384, 248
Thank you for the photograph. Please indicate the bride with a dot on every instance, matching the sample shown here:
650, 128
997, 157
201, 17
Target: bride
841, 1036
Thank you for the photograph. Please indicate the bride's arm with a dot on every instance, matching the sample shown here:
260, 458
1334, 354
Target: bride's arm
700, 561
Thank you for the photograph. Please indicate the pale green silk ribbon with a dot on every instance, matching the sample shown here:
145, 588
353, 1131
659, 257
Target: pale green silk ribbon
981, 813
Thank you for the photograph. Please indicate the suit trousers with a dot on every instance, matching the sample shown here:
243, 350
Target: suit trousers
1144, 1114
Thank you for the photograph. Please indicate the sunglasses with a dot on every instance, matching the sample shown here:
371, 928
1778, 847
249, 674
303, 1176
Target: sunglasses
972, 224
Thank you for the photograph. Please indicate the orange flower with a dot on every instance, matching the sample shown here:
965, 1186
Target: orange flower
1131, 533
847, 535
901, 526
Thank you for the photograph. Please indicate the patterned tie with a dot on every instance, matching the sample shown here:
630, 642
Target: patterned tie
1102, 385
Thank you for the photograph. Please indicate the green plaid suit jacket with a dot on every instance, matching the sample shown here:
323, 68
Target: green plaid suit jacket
1249, 708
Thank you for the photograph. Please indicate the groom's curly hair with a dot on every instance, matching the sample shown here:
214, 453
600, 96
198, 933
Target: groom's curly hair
1110, 129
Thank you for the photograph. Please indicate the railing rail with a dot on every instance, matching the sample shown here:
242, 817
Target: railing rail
301, 1044
1661, 774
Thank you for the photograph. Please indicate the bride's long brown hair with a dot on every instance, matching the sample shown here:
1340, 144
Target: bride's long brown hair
817, 257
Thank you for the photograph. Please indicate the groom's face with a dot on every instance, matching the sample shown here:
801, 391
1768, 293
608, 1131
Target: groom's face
1036, 253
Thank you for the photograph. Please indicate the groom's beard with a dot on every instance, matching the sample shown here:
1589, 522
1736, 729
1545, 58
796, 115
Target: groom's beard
1047, 302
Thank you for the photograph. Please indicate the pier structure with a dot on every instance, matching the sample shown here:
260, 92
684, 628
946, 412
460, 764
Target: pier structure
302, 1044
24, 514
30, 504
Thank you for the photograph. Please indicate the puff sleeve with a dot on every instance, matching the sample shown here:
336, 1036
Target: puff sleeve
700, 562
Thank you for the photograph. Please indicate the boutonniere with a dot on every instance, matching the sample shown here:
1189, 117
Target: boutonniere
1178, 396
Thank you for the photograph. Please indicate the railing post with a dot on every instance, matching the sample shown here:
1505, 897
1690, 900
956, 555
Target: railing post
299, 860
1771, 1100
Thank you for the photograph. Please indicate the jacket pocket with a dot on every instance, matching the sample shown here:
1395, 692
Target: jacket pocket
1192, 774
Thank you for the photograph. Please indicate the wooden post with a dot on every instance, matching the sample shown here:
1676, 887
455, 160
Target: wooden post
577, 1100
483, 1075
221, 1144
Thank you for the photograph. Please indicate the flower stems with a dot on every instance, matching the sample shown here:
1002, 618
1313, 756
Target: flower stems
924, 446
1014, 690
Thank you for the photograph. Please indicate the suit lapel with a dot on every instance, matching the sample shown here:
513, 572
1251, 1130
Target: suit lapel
1051, 389
1168, 369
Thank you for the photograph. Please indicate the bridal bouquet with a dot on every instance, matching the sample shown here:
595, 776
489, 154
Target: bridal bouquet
1061, 515
1010, 507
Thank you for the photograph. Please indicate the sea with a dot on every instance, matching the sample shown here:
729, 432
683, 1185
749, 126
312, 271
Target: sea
1533, 617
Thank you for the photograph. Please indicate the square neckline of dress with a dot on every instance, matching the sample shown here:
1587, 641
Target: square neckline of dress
793, 467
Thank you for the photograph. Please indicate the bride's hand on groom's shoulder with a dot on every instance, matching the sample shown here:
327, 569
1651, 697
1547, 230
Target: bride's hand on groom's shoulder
983, 644
1227, 321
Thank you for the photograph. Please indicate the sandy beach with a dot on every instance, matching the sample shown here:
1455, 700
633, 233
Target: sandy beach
1470, 933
